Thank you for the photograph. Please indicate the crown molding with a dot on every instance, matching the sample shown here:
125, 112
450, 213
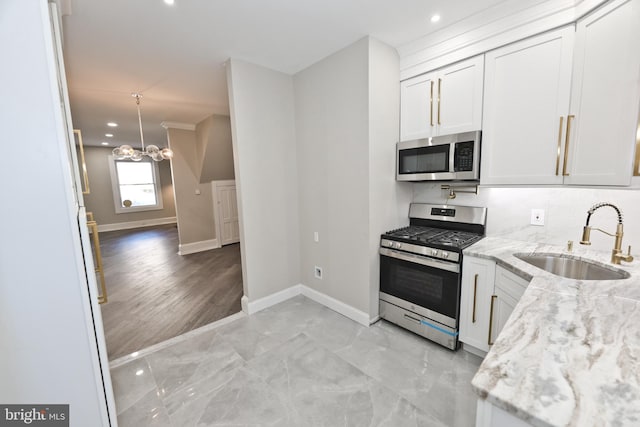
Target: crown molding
490, 29
178, 125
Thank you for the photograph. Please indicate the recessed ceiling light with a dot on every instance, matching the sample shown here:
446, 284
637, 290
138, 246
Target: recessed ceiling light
108, 135
112, 125
104, 143
169, 2
435, 18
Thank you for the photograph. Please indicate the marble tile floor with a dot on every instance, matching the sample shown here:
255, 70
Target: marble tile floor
298, 364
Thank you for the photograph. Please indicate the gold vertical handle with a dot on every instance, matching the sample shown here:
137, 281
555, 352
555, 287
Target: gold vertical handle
431, 104
439, 94
475, 293
570, 118
559, 144
102, 296
489, 339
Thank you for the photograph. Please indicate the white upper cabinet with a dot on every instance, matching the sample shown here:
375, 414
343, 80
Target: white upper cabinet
416, 107
605, 96
526, 103
562, 107
442, 102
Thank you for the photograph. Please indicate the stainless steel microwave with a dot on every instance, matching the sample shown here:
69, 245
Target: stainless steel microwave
441, 158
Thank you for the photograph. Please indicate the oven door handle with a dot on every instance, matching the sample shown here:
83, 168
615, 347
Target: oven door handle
429, 262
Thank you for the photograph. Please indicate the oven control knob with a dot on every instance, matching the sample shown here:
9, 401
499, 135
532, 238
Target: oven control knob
445, 255
390, 244
434, 252
398, 245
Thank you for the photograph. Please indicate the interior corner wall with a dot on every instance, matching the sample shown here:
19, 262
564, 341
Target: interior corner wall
262, 123
215, 149
389, 200
194, 212
332, 133
100, 199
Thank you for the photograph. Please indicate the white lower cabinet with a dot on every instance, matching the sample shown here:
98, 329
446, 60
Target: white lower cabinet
478, 277
488, 296
488, 415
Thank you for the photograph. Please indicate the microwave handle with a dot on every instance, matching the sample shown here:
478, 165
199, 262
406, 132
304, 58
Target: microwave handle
452, 155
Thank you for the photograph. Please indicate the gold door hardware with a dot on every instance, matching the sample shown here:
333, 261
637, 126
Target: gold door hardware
636, 169
439, 95
93, 226
83, 163
90, 216
570, 118
559, 144
431, 103
475, 293
489, 339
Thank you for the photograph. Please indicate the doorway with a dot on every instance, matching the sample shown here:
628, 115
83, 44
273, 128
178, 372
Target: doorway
154, 294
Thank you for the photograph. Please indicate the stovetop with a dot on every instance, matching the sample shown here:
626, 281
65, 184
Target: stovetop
436, 231
429, 236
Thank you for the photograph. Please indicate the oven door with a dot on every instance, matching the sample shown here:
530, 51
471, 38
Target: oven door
426, 286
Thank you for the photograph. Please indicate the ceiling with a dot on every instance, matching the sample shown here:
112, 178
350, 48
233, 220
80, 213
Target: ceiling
174, 55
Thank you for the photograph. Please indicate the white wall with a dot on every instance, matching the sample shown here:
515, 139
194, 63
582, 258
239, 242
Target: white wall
347, 114
388, 200
333, 173
262, 127
509, 212
47, 353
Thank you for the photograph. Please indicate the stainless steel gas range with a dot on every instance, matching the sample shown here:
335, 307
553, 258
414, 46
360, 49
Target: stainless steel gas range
420, 269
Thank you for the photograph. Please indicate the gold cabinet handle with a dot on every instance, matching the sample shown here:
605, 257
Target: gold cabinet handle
475, 293
570, 118
102, 296
431, 103
439, 94
489, 339
559, 144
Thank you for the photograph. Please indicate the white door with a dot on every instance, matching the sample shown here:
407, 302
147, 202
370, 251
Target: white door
227, 212
478, 277
459, 97
526, 102
417, 115
605, 93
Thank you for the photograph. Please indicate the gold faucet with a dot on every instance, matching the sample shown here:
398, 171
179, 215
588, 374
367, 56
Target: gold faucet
616, 253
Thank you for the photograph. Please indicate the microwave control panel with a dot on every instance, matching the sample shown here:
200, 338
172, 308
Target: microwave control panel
463, 156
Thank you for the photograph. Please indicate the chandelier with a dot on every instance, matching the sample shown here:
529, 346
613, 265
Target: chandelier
127, 152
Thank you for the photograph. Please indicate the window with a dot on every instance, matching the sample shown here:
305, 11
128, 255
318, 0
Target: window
136, 185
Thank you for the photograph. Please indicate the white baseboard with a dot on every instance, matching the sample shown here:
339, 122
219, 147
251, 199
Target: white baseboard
251, 307
136, 224
201, 246
338, 306
374, 320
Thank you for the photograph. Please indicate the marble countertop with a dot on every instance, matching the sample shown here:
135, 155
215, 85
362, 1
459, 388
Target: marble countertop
570, 353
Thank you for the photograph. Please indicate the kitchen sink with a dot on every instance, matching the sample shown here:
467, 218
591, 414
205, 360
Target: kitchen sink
572, 268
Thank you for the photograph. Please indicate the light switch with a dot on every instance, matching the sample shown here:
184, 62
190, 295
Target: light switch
316, 236
197, 192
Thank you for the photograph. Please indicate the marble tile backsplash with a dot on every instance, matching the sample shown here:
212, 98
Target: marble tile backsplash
509, 212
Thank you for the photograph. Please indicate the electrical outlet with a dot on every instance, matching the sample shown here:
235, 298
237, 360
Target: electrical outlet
537, 216
317, 272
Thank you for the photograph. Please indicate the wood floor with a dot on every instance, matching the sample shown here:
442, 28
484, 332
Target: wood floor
155, 294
